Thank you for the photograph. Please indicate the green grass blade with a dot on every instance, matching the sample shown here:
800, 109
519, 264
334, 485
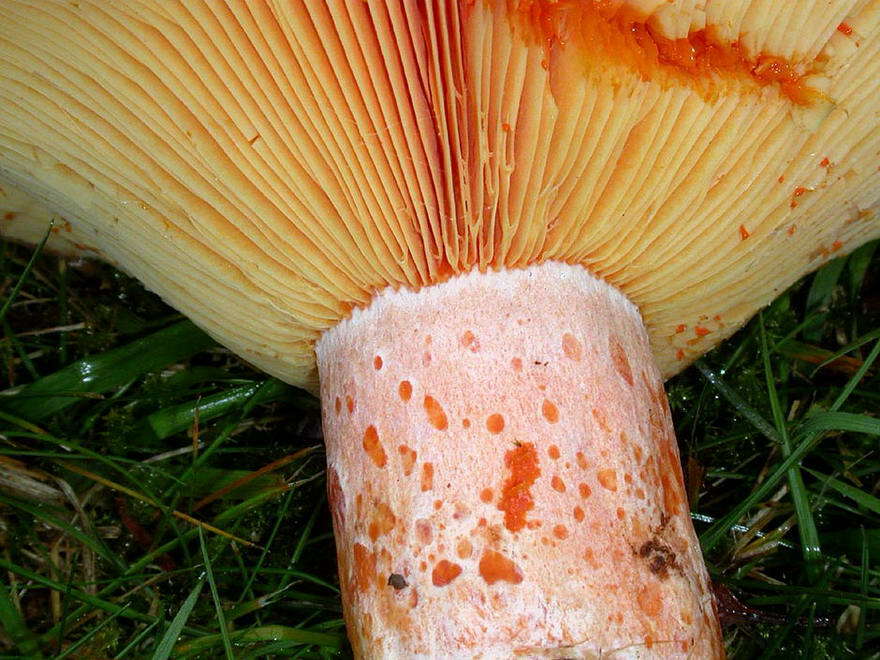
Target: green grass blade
272, 633
839, 421
218, 606
821, 289
868, 501
169, 639
82, 641
800, 495
100, 373
24, 274
16, 628
181, 417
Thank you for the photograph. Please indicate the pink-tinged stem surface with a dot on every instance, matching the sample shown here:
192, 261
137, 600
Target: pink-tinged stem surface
504, 478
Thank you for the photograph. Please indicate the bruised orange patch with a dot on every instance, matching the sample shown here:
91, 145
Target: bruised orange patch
373, 447
382, 521
444, 573
608, 479
550, 411
516, 498
572, 347
495, 567
407, 458
427, 477
436, 414
650, 599
621, 364
364, 567
495, 423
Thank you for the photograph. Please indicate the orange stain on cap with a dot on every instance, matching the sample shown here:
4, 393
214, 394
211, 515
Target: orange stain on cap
495, 423
582, 461
621, 364
486, 495
550, 411
553, 452
516, 498
572, 347
585, 490
373, 447
557, 484
444, 573
377, 363
495, 567
436, 414
516, 363
405, 390
560, 532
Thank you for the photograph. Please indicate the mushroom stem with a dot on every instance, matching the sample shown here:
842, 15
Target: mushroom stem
504, 478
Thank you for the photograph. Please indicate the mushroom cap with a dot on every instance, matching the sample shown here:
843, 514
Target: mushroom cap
267, 168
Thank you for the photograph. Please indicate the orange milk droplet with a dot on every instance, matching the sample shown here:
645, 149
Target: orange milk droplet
436, 415
405, 390
427, 477
373, 447
550, 411
608, 479
495, 423
444, 573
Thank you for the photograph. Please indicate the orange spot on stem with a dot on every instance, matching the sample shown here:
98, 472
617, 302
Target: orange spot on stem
516, 498
436, 415
373, 447
444, 573
495, 567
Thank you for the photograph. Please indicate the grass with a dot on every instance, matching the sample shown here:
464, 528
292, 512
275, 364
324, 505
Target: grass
159, 498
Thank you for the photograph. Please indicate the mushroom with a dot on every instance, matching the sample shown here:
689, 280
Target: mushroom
495, 227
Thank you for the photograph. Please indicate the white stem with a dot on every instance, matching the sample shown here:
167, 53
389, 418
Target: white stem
504, 477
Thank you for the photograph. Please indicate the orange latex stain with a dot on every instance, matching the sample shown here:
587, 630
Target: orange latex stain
377, 363
578, 514
444, 573
382, 521
608, 479
516, 363
349, 403
743, 232
560, 532
590, 558
550, 411
599, 31
495, 423
486, 495
465, 423
436, 414
405, 390
825, 162
621, 514
516, 498
338, 405
585, 490
621, 364
700, 331
427, 477
845, 28
557, 484
650, 600
373, 447
407, 458
495, 567
582, 461
572, 347
553, 452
